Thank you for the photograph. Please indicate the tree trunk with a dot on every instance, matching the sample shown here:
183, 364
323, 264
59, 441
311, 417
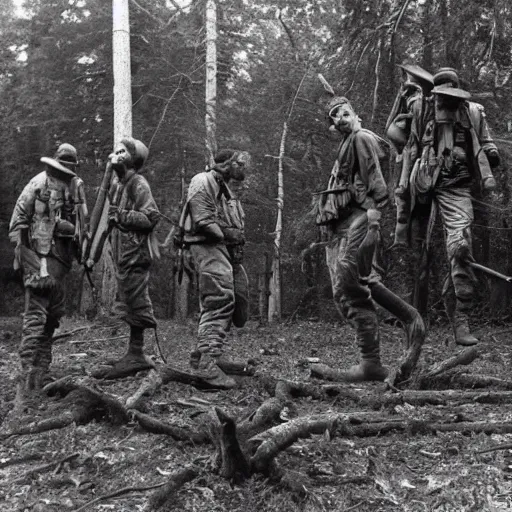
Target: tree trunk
211, 81
274, 300
264, 290
180, 299
122, 126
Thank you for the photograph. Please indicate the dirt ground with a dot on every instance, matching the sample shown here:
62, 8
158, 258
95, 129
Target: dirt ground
389, 472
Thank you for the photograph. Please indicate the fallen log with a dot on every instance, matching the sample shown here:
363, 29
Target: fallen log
232, 461
166, 493
85, 405
148, 387
267, 445
416, 333
43, 469
119, 492
429, 397
457, 379
464, 357
185, 434
264, 417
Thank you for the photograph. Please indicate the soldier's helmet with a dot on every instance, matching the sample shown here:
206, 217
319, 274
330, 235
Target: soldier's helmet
138, 150
446, 76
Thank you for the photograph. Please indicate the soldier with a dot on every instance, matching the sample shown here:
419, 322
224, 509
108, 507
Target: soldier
403, 130
133, 215
47, 225
212, 223
456, 152
349, 214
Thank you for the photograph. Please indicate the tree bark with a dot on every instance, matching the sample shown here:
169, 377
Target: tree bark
122, 127
211, 81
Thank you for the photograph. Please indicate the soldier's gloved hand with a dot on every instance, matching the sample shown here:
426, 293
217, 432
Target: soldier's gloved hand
113, 215
493, 156
64, 228
463, 253
374, 216
233, 236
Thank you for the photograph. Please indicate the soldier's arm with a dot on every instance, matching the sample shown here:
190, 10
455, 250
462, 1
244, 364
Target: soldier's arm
145, 214
370, 170
22, 214
484, 135
203, 208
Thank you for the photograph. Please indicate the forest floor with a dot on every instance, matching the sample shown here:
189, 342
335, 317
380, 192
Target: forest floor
402, 471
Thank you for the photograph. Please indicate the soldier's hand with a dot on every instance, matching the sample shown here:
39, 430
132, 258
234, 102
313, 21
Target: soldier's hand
113, 214
374, 216
233, 236
494, 157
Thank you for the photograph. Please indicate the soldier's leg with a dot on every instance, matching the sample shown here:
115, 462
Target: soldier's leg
135, 308
354, 301
456, 210
56, 311
217, 303
30, 378
420, 259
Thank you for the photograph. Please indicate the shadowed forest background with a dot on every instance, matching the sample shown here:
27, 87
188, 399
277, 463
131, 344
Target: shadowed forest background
56, 86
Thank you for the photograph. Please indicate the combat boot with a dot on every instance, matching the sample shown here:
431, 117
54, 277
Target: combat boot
366, 370
29, 395
461, 331
229, 365
209, 371
370, 367
132, 362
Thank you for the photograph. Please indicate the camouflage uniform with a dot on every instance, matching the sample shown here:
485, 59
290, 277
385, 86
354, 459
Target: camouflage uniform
357, 169
131, 239
456, 149
209, 201
44, 226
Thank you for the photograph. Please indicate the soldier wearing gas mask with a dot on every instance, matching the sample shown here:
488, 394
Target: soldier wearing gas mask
349, 214
133, 215
457, 152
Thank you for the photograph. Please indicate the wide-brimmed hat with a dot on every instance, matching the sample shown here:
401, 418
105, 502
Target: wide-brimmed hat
418, 72
65, 159
454, 92
56, 165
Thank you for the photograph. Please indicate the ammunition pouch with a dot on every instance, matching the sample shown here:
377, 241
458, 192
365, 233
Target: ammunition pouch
330, 206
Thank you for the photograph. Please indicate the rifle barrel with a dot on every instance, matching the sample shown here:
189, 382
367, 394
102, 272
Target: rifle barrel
490, 271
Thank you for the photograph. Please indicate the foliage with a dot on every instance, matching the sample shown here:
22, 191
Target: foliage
63, 91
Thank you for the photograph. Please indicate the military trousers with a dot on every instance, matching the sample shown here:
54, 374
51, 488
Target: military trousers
454, 207
43, 310
133, 303
216, 295
351, 291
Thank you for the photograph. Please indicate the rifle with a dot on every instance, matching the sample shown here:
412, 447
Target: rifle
489, 271
99, 225
178, 239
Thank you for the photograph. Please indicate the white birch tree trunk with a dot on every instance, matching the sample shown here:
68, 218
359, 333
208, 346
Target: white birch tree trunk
122, 126
211, 81
274, 299
275, 288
